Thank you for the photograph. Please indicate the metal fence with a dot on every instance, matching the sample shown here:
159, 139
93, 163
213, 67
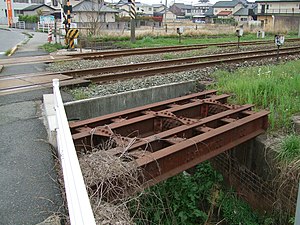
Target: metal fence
80, 210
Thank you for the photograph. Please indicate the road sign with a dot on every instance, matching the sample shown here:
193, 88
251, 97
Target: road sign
47, 19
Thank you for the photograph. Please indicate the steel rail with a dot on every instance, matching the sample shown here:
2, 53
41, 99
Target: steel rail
124, 52
136, 70
130, 67
183, 67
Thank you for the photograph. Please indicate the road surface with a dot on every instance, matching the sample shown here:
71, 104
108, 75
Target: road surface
10, 38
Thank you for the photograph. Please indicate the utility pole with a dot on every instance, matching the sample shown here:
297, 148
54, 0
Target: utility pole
132, 12
166, 7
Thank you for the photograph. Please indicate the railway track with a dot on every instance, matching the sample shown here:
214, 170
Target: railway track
128, 71
125, 52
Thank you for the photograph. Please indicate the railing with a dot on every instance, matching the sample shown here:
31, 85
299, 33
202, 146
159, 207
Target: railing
80, 210
45, 26
19, 25
279, 11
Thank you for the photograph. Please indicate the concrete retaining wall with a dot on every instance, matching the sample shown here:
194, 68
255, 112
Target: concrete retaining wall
93, 107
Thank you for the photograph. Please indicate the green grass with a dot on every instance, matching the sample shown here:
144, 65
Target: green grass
52, 47
188, 40
289, 149
7, 52
275, 88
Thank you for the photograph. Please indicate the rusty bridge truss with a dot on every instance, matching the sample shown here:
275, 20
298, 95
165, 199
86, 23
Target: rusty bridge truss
168, 137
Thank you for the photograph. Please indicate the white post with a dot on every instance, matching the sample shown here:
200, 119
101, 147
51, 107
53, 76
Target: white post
297, 217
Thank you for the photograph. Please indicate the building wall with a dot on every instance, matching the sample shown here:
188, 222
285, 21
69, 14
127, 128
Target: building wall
266, 21
232, 9
159, 9
144, 9
242, 19
279, 7
200, 9
92, 17
170, 16
291, 23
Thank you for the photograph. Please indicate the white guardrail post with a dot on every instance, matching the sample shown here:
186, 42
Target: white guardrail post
80, 210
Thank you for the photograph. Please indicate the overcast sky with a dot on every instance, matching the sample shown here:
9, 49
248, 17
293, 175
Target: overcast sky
178, 1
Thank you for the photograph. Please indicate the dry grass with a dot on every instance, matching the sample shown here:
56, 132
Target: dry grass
112, 182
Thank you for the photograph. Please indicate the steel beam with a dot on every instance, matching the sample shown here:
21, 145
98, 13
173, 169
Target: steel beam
169, 137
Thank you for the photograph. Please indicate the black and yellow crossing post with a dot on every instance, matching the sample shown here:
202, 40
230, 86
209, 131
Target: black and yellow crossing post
67, 21
71, 35
132, 13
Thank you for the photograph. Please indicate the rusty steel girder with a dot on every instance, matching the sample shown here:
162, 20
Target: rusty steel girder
171, 136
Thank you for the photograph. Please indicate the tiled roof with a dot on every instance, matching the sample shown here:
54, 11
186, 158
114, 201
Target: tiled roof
34, 7
224, 13
229, 4
242, 12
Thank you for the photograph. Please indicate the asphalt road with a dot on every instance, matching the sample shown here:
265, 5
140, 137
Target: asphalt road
9, 39
29, 192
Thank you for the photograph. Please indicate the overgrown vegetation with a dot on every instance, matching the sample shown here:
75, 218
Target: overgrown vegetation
290, 149
276, 88
155, 39
48, 47
196, 198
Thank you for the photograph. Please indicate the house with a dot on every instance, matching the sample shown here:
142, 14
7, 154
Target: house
274, 14
226, 9
244, 15
144, 9
158, 9
181, 10
41, 9
141, 8
209, 15
199, 10
169, 16
89, 12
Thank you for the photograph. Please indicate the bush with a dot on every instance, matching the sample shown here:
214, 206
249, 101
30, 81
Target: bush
29, 19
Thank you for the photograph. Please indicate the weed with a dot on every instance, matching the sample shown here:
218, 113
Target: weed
7, 52
52, 47
79, 94
276, 88
290, 148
